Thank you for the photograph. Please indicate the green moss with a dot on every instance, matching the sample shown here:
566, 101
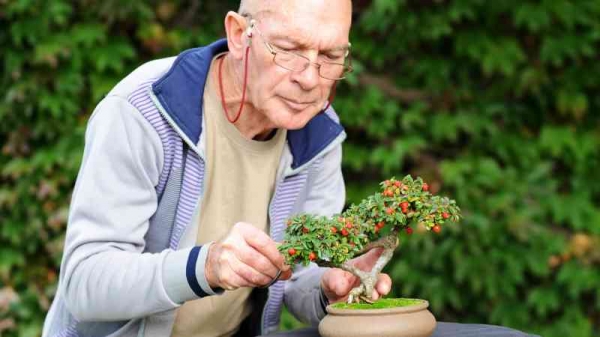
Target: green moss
383, 303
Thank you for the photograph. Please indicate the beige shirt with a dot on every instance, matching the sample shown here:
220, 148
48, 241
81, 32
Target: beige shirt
239, 184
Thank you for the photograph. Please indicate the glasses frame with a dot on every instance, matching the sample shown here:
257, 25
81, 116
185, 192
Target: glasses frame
347, 66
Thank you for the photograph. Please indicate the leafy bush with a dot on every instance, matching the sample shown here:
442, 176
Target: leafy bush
493, 102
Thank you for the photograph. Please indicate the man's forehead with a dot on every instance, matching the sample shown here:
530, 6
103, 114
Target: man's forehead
303, 35
318, 11
268, 7
253, 5
302, 43
302, 25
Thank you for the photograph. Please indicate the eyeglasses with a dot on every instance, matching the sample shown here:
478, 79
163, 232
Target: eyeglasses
297, 63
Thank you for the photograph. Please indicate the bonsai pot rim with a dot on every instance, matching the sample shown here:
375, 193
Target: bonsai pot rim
379, 311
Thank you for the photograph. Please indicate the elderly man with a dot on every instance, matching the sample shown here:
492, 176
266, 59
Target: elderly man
190, 162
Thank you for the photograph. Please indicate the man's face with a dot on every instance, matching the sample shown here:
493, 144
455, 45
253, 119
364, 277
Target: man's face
316, 29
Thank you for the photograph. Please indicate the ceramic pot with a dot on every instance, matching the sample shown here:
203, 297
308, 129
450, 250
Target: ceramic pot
409, 321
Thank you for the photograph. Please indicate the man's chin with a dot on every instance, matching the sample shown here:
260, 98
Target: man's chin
295, 106
298, 120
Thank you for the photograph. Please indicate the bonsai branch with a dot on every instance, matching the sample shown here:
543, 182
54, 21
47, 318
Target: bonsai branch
388, 241
368, 279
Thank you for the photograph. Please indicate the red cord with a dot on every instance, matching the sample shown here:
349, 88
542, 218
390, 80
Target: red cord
239, 113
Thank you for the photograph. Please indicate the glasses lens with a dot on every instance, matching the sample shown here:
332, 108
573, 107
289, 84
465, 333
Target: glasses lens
295, 62
332, 71
291, 61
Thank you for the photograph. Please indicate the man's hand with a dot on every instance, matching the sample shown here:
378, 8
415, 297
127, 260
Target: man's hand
247, 257
337, 283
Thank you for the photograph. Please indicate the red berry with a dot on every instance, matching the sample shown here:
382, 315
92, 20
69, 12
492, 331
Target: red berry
348, 224
404, 210
397, 183
333, 230
377, 229
409, 230
344, 232
312, 256
445, 215
380, 224
389, 211
425, 187
304, 230
292, 251
437, 228
404, 204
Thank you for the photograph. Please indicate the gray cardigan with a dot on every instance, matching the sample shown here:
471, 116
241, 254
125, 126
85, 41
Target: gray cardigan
124, 272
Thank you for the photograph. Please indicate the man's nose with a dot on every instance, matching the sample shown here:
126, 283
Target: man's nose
308, 78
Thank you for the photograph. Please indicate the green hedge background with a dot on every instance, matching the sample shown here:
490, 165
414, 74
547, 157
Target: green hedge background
494, 102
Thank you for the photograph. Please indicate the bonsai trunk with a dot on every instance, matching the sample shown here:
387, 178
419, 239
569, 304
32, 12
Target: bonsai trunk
368, 279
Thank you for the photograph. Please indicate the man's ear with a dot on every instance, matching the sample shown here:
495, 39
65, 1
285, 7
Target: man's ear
236, 27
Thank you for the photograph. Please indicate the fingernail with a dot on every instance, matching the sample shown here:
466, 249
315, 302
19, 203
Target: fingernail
286, 275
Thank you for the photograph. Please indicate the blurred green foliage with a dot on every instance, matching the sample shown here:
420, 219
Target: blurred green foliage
495, 103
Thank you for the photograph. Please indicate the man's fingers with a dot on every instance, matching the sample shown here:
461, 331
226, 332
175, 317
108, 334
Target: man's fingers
260, 241
375, 295
254, 259
340, 282
252, 277
246, 258
286, 275
384, 284
341, 287
230, 280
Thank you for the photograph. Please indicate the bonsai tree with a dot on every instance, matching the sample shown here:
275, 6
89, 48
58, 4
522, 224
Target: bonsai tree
376, 222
